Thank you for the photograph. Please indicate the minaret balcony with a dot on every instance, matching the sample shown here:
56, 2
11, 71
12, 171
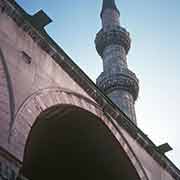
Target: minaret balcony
125, 80
117, 35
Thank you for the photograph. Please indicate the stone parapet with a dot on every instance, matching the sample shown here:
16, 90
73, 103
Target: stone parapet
125, 80
117, 35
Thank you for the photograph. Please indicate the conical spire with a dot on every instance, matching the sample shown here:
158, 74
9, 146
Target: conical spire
109, 4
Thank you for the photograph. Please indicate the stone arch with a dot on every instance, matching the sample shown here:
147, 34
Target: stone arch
40, 101
74, 144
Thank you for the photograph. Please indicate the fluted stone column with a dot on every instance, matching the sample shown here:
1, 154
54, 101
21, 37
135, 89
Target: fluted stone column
113, 43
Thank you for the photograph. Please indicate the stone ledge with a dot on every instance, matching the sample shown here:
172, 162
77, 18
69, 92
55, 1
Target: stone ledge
116, 36
109, 82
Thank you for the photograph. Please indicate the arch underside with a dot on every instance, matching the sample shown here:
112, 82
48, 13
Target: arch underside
74, 145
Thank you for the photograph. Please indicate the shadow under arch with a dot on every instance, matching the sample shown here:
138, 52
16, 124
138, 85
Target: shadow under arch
74, 144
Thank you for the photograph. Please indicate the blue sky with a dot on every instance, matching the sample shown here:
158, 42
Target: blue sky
155, 54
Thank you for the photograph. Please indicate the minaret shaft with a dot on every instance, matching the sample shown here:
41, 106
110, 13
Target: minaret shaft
110, 19
113, 43
114, 58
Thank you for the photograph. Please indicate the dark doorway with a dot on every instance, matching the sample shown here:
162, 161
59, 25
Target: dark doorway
74, 144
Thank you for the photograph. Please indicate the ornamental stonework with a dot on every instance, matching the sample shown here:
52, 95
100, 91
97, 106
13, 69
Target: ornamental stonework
123, 80
117, 35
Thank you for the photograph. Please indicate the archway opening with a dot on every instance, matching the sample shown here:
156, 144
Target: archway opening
74, 144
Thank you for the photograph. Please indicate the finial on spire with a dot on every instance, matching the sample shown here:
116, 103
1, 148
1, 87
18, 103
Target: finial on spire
109, 4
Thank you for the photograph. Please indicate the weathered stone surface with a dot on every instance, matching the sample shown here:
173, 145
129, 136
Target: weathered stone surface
116, 81
41, 81
5, 113
117, 35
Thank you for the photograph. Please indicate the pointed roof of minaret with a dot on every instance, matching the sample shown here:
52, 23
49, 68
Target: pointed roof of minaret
109, 4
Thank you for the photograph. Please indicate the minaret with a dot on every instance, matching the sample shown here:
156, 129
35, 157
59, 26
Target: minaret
113, 43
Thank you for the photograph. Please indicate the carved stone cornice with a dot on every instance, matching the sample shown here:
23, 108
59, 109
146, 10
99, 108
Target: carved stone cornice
117, 35
123, 80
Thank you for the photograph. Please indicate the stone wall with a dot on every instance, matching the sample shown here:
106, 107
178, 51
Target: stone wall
25, 69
